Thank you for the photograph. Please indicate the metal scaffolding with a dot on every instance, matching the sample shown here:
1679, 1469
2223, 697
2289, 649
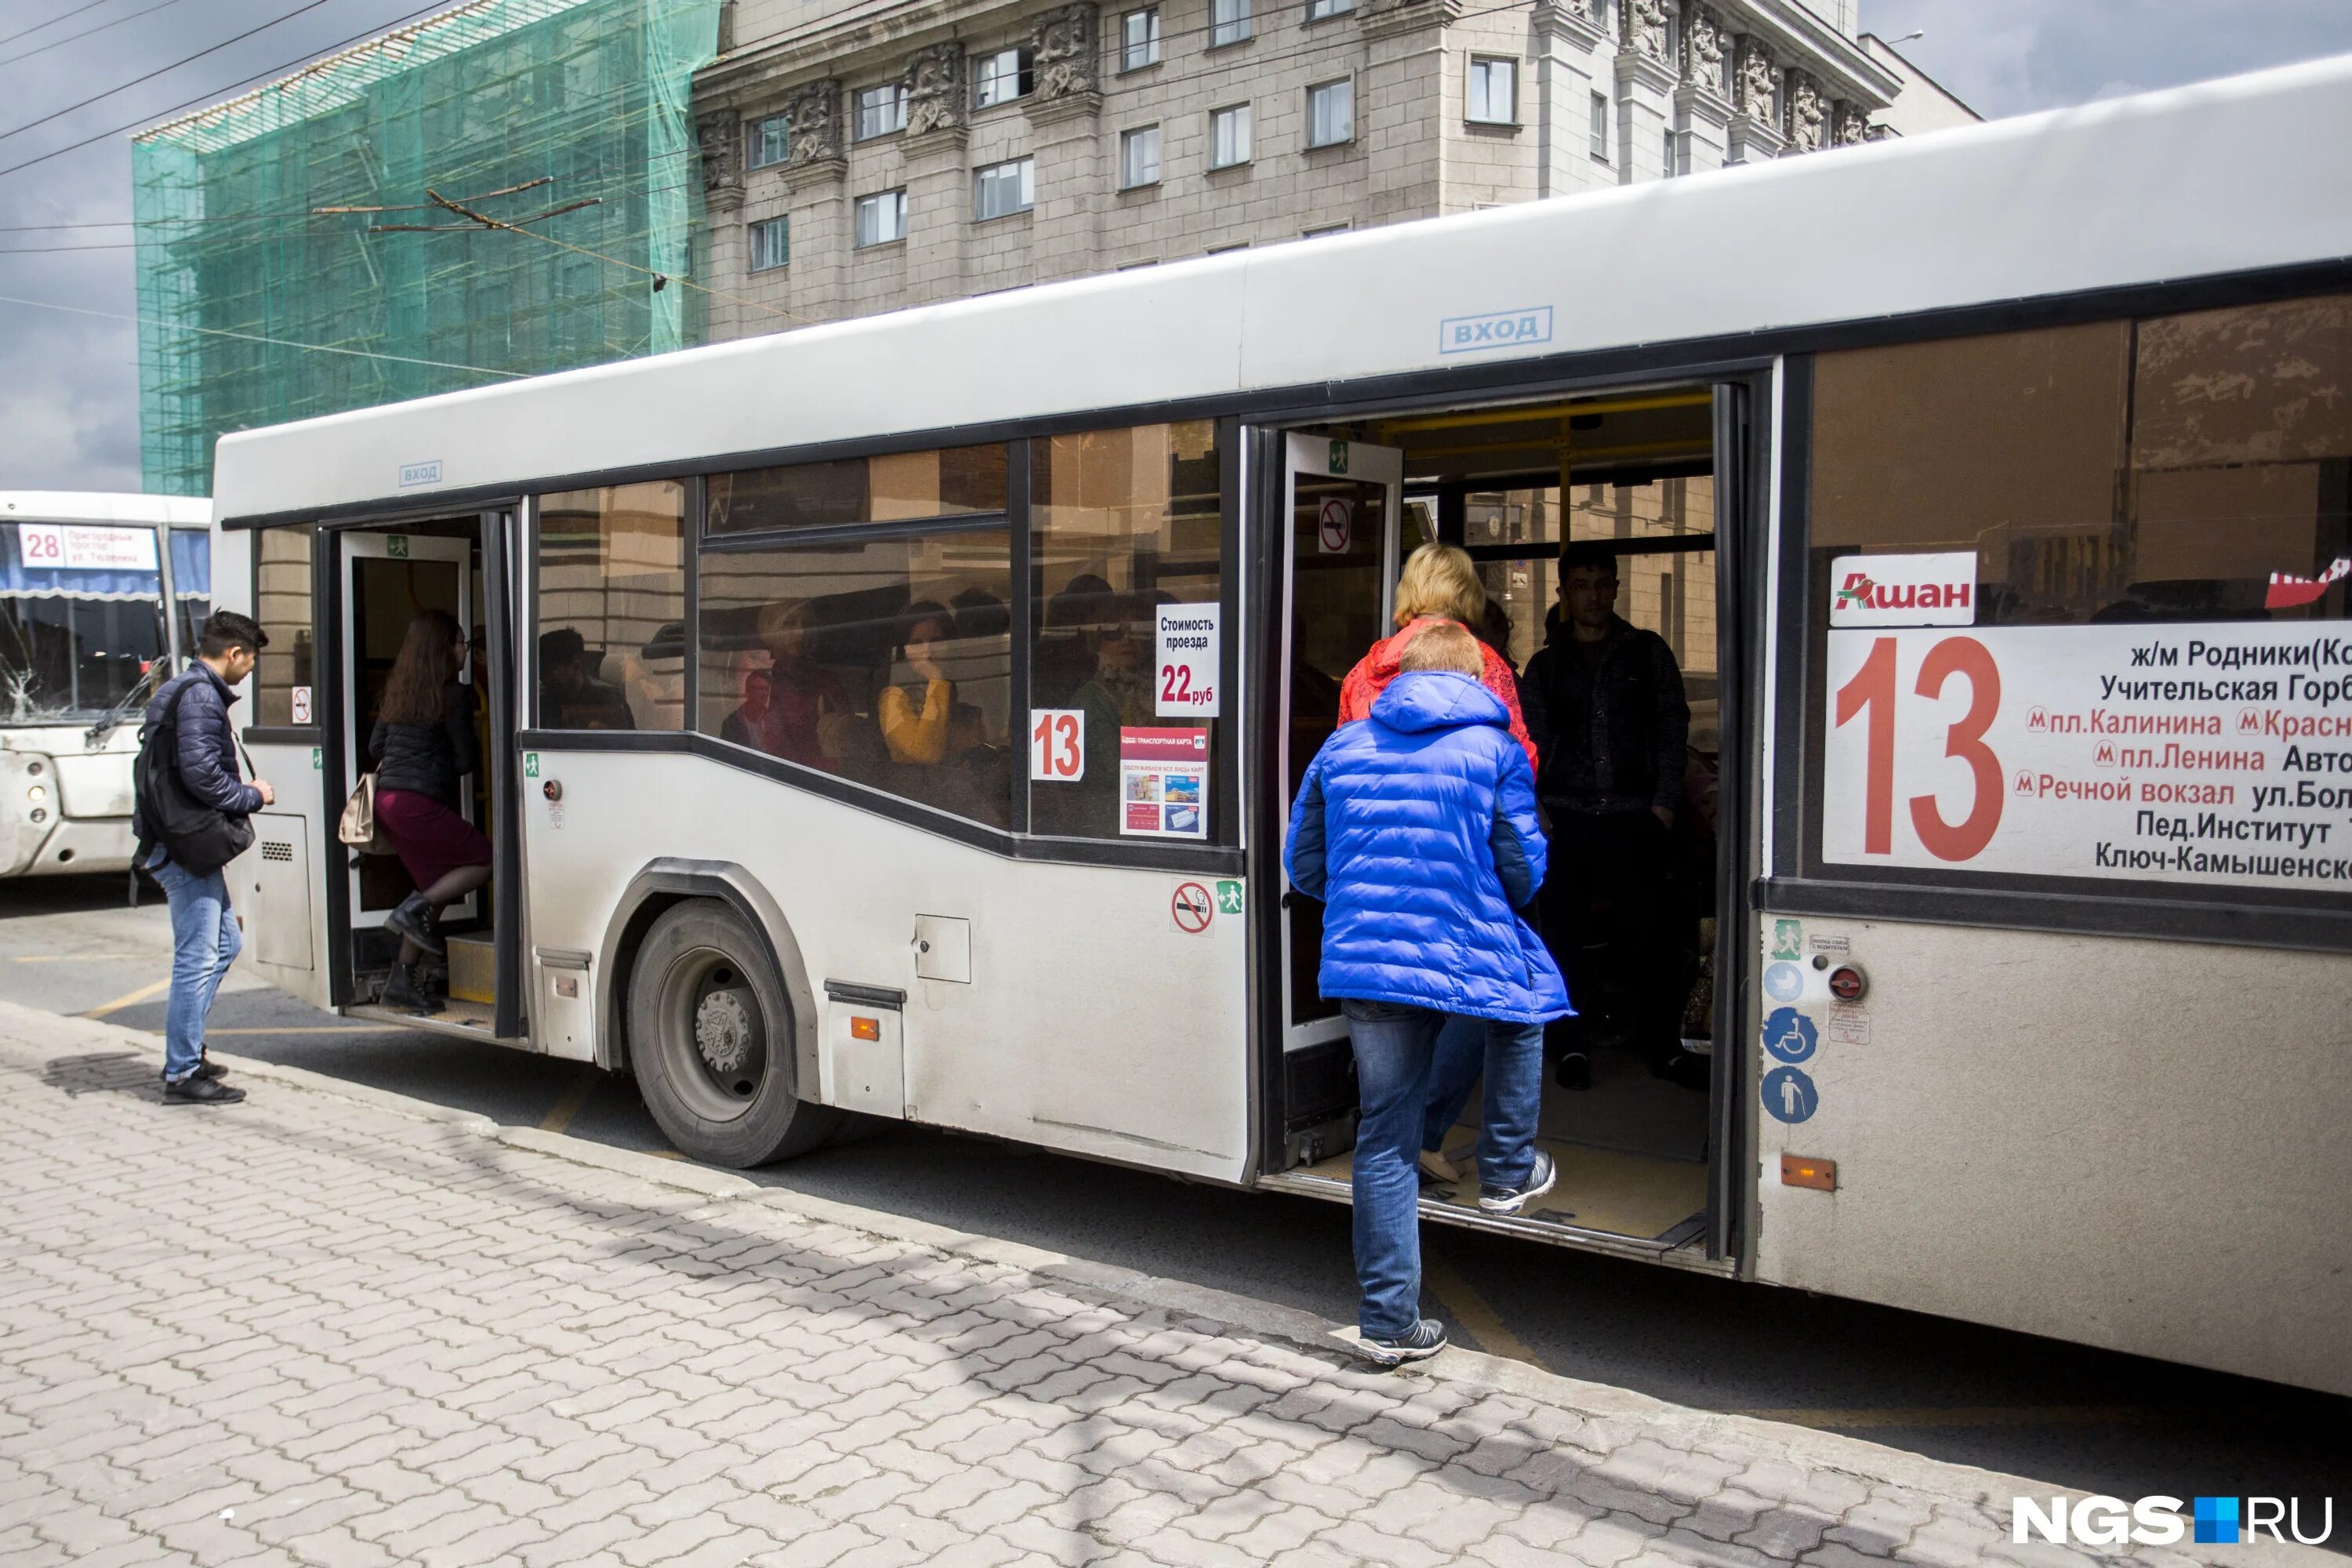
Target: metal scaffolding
295, 257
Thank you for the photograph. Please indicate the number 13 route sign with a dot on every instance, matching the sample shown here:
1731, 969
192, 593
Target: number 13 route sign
2189, 753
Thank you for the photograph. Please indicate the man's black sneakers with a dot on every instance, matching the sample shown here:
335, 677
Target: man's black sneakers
196, 1089
1542, 1176
1419, 1342
209, 1069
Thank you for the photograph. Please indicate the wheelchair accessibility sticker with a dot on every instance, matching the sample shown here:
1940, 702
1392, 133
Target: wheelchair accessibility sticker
1790, 1036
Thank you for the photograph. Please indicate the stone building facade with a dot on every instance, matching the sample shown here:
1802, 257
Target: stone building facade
861, 156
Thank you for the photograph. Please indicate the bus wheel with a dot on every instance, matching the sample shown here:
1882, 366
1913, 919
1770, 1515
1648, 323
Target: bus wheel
711, 1039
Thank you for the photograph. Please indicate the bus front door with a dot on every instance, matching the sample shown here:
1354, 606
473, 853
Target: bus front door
388, 580
1340, 554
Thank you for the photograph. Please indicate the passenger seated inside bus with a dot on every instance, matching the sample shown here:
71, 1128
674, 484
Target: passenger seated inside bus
570, 697
943, 712
785, 698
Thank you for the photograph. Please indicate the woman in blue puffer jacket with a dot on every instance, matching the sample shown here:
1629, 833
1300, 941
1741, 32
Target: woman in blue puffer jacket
1417, 829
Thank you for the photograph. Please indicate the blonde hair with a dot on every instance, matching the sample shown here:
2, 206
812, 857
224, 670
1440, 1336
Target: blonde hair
1440, 579
1448, 645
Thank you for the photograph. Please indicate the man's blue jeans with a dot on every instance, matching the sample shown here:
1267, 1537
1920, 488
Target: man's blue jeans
1512, 1058
205, 943
1393, 1046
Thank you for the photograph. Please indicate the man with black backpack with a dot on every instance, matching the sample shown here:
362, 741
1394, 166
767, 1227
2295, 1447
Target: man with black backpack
190, 822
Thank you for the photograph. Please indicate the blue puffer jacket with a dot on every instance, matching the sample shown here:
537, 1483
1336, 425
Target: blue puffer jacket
1417, 829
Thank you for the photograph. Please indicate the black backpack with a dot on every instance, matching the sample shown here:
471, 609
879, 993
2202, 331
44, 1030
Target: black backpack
199, 838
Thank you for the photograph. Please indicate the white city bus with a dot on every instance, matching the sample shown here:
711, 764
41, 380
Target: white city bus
100, 598
897, 717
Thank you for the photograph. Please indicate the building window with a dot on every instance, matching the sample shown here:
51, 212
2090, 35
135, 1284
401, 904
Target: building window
1138, 157
1001, 76
1601, 126
1229, 136
1673, 154
1139, 40
1002, 189
1494, 97
769, 141
1331, 113
881, 217
1126, 527
281, 603
1324, 232
1318, 9
881, 110
610, 598
772, 244
1229, 22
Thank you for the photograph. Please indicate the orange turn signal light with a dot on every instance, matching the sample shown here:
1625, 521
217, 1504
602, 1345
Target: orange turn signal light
1796, 1171
865, 1028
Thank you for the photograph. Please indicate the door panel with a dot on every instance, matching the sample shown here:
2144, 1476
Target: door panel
1343, 501
388, 579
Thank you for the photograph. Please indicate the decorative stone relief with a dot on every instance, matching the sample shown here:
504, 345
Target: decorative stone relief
1756, 81
1703, 49
1646, 25
719, 138
813, 111
1850, 127
1807, 128
1062, 46
936, 99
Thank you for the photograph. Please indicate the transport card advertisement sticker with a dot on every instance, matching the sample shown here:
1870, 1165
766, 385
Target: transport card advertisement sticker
1186, 681
2202, 753
1163, 782
1938, 590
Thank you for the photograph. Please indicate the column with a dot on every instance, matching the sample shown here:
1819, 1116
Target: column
1066, 138
816, 182
1644, 84
722, 265
938, 174
1702, 98
1400, 118
1567, 46
1755, 129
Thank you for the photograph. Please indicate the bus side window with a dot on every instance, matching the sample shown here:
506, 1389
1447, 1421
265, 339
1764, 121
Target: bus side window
611, 638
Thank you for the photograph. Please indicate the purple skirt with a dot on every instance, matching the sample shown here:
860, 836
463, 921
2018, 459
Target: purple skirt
432, 839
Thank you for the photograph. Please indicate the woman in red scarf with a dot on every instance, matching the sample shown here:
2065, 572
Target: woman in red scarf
1440, 583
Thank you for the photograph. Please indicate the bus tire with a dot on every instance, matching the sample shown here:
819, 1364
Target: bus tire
710, 1037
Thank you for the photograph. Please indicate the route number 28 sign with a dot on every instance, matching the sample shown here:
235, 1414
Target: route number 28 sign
2200, 754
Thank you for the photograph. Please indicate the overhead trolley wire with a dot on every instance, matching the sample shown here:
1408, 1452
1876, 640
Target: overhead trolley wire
215, 94
161, 70
259, 338
62, 15
87, 31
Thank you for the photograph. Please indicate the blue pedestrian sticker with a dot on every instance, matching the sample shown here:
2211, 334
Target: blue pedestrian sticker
1790, 1096
1790, 1035
1783, 982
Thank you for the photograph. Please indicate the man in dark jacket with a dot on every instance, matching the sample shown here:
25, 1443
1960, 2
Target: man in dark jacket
1604, 705
204, 935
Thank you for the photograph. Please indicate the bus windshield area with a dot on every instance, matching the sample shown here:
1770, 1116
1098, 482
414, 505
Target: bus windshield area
75, 660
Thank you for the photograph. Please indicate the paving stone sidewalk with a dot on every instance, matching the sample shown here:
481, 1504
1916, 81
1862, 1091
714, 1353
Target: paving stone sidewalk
331, 1327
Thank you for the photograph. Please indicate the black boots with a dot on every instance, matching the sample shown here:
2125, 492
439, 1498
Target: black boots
400, 991
413, 920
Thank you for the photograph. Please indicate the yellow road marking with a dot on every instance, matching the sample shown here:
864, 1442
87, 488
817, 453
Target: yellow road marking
69, 957
318, 1029
1954, 1416
559, 1119
145, 993
1470, 1310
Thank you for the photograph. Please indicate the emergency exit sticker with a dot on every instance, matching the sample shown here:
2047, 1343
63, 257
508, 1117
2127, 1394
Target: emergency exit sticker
1186, 683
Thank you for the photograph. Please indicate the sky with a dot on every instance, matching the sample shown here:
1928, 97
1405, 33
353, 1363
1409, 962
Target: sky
68, 384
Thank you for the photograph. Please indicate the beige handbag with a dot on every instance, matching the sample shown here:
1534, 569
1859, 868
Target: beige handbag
359, 827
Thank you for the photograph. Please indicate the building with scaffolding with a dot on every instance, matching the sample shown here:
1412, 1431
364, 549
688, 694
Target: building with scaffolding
506, 188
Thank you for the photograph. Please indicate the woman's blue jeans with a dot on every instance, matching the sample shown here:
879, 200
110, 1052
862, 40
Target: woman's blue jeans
1393, 1046
1511, 1055
205, 943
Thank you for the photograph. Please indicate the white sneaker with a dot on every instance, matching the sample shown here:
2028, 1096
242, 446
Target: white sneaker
1540, 1180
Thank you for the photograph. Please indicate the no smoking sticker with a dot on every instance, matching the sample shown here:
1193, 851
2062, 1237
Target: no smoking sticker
1191, 909
1335, 526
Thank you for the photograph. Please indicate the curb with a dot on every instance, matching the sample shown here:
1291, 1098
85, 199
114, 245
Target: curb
1251, 1317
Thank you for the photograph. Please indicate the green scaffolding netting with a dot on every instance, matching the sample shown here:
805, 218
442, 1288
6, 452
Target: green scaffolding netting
257, 308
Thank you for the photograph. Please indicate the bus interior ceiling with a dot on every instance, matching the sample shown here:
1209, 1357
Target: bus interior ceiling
1512, 485
429, 565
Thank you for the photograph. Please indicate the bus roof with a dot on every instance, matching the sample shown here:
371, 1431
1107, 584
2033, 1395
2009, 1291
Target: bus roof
103, 506
2192, 181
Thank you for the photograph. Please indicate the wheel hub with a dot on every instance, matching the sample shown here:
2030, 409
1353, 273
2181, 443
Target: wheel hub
723, 1032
